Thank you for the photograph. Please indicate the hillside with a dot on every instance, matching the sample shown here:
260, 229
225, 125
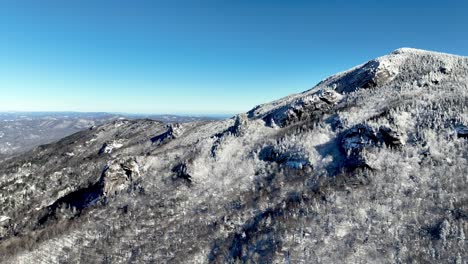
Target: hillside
22, 131
369, 166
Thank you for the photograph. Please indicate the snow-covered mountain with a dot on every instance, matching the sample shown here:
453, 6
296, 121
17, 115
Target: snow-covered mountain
369, 166
22, 131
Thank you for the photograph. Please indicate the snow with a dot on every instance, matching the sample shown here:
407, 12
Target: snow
111, 146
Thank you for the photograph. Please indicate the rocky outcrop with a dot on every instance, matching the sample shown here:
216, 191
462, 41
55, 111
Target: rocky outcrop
306, 108
255, 240
462, 131
116, 177
357, 138
5, 225
172, 132
361, 136
391, 137
181, 172
292, 158
71, 204
236, 130
109, 146
239, 127
445, 69
119, 176
372, 74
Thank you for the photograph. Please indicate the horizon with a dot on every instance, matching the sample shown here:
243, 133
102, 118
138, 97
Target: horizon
209, 58
207, 115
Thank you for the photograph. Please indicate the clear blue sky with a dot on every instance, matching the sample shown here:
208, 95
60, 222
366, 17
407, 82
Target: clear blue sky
201, 56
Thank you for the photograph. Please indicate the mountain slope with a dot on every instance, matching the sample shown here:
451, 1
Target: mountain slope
22, 131
368, 166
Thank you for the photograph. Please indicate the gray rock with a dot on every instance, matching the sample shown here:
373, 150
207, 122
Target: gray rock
390, 137
172, 132
357, 138
292, 158
181, 172
119, 176
462, 131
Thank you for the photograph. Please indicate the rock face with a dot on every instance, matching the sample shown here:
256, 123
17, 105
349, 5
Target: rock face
109, 146
173, 131
357, 138
390, 137
369, 166
372, 74
462, 131
181, 172
305, 108
238, 129
292, 158
119, 175
354, 141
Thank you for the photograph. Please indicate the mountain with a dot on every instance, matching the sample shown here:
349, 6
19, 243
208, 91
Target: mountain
22, 131
369, 166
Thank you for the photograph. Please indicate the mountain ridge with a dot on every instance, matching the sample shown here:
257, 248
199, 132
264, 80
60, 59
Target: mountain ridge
369, 165
21, 131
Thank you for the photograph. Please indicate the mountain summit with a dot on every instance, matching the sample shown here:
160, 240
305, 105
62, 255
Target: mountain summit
369, 166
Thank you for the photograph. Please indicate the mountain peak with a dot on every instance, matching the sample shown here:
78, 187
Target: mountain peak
409, 50
400, 67
414, 51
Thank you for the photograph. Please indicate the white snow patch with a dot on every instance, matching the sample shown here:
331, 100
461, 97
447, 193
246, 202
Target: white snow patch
114, 144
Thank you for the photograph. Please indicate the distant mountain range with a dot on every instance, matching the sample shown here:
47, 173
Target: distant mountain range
22, 131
